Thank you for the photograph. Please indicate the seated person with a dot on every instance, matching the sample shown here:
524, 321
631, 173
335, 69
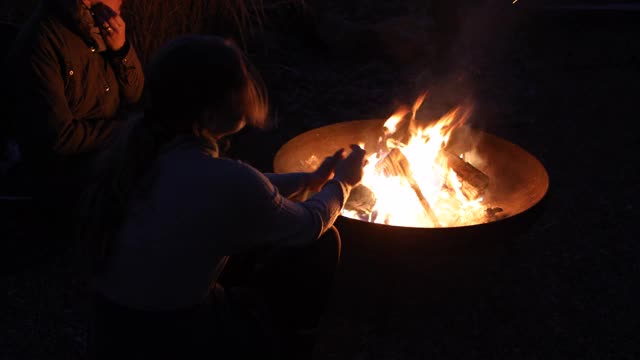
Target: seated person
169, 213
70, 73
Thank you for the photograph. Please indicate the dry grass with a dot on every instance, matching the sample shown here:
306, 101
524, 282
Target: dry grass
151, 23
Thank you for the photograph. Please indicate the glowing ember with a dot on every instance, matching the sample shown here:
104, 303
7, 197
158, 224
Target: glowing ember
410, 181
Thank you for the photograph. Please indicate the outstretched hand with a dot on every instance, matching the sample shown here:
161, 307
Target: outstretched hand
324, 172
350, 169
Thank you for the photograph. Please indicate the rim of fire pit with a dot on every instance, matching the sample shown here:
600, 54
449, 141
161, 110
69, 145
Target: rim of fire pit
519, 181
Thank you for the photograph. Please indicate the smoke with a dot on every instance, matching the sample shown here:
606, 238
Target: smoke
471, 36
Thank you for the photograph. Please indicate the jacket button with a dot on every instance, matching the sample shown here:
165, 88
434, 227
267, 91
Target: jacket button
71, 72
107, 88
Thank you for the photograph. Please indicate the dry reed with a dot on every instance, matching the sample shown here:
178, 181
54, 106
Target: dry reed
151, 23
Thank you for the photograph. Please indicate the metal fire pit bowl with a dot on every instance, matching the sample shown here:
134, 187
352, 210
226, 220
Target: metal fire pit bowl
518, 179
427, 280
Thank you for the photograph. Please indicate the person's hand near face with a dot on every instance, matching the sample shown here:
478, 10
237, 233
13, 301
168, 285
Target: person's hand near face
111, 24
114, 33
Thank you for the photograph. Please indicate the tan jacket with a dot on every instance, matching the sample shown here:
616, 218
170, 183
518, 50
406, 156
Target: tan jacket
68, 95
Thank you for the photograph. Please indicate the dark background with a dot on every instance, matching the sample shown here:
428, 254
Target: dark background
560, 82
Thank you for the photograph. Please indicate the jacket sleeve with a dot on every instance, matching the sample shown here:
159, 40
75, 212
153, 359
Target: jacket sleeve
47, 102
129, 73
298, 223
291, 185
285, 222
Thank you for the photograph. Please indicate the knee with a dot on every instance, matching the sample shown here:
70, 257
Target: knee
331, 245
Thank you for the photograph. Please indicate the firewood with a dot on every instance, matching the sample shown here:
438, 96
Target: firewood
495, 213
396, 164
474, 182
361, 200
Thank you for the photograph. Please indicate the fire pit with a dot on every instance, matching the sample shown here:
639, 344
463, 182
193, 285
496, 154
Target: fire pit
429, 277
511, 179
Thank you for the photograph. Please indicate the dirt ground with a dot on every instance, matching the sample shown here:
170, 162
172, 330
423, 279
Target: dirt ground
562, 85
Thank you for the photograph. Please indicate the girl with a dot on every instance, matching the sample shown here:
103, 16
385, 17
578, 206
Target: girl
168, 213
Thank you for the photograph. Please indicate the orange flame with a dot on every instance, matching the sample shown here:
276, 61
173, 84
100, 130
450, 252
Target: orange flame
396, 201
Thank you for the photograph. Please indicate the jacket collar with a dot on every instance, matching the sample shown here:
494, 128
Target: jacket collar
89, 29
76, 16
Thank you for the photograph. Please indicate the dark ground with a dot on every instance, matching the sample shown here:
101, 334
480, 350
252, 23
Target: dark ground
564, 86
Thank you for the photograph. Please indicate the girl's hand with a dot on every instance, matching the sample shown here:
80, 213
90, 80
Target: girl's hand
324, 172
350, 169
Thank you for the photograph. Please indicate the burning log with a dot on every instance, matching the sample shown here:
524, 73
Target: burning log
474, 182
495, 213
361, 200
396, 164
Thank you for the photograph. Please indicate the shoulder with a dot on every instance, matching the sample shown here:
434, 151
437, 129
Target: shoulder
43, 35
240, 182
201, 167
222, 190
214, 181
237, 173
45, 28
